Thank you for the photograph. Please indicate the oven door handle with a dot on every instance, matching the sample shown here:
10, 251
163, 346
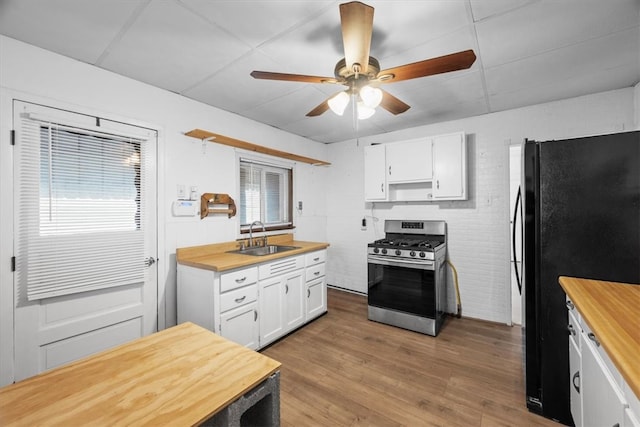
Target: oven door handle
395, 262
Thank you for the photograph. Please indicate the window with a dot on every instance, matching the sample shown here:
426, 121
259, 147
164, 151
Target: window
82, 209
265, 195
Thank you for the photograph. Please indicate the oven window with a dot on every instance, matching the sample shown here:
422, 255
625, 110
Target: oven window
403, 289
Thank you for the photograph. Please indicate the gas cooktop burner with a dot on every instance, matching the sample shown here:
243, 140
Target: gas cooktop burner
408, 243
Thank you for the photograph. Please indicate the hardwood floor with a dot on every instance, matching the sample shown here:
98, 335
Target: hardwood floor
344, 370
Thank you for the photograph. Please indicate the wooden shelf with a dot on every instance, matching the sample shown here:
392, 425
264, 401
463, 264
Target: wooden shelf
225, 140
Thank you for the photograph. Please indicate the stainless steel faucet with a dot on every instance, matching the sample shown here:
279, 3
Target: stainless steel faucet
264, 239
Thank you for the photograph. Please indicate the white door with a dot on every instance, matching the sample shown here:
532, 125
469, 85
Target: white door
92, 227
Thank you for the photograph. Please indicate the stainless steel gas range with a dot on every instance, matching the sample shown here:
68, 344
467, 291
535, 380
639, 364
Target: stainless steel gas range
407, 275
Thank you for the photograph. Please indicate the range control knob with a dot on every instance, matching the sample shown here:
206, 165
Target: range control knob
412, 253
398, 252
421, 254
384, 251
376, 250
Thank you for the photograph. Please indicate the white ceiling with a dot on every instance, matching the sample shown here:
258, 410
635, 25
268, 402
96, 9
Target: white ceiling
529, 52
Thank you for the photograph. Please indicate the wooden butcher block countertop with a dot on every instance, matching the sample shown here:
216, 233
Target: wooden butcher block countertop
612, 311
216, 257
180, 376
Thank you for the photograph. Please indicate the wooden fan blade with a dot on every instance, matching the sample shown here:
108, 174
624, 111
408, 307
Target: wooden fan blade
357, 26
428, 67
267, 75
319, 109
393, 104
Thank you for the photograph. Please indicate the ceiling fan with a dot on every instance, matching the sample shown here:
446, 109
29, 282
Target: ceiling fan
361, 73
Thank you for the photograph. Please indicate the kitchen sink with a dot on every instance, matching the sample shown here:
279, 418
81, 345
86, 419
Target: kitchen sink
264, 250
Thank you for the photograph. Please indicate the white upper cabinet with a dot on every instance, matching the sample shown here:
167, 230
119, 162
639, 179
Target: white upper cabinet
375, 177
450, 167
409, 161
421, 169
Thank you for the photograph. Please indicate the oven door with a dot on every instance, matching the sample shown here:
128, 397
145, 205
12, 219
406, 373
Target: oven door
406, 286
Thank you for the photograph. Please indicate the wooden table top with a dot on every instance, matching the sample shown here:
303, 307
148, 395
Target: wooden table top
612, 311
216, 257
179, 376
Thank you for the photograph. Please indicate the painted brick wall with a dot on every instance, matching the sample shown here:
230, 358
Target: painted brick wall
479, 227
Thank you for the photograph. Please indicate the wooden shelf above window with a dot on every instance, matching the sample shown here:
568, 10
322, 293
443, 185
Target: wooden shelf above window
225, 140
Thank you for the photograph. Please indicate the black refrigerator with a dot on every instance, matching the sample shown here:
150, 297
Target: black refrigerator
581, 219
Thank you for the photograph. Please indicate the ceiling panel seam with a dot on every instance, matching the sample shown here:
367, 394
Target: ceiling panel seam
123, 30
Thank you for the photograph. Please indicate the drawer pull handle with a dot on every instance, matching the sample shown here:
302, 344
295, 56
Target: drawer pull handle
572, 330
308, 293
242, 279
255, 315
317, 259
239, 300
570, 305
576, 377
316, 273
593, 338
286, 289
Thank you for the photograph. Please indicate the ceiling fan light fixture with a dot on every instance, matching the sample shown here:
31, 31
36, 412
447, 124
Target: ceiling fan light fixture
371, 96
364, 111
338, 103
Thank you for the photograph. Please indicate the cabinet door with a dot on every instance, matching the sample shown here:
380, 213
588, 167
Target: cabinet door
574, 375
409, 161
602, 401
293, 300
450, 167
375, 181
240, 325
316, 303
271, 310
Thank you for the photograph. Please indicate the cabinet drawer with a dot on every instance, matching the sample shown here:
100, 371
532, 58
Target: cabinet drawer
238, 297
315, 271
315, 258
239, 278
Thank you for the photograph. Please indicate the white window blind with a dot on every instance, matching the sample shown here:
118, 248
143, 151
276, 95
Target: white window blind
79, 209
264, 194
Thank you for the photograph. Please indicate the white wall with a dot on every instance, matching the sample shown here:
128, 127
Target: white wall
36, 75
478, 228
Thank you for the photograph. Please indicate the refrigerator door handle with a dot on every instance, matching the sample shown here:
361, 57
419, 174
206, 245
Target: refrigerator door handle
513, 239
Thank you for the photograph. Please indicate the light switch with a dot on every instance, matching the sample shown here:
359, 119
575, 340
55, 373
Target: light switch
182, 192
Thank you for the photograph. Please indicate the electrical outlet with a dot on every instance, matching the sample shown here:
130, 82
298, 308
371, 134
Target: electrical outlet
193, 195
300, 205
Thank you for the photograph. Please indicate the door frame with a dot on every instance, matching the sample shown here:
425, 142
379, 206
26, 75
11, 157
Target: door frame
7, 297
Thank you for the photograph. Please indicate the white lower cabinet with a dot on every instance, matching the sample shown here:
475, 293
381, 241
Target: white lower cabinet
240, 325
271, 310
254, 306
281, 305
575, 366
599, 395
602, 400
294, 300
316, 303
316, 284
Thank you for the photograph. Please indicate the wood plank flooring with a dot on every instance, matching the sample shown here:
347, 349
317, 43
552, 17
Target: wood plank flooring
344, 370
